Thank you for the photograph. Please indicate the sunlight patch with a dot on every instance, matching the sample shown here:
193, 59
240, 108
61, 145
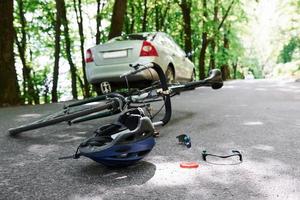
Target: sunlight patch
261, 89
263, 147
229, 86
257, 123
33, 115
168, 174
42, 150
72, 138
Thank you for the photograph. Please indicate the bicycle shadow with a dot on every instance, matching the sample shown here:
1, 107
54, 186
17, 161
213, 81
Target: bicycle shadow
177, 116
95, 173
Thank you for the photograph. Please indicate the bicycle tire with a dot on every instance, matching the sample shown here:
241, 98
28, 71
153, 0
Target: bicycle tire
67, 117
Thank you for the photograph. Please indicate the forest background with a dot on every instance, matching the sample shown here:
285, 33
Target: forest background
43, 42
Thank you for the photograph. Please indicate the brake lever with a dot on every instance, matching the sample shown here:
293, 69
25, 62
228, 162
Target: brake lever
135, 67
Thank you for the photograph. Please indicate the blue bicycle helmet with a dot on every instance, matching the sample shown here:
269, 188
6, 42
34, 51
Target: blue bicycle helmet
122, 143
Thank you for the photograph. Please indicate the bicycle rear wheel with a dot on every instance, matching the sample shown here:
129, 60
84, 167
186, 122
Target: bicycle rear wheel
61, 117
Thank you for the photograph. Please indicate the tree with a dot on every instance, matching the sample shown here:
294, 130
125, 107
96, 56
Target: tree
57, 50
8, 77
30, 94
131, 22
100, 6
79, 19
117, 19
144, 21
286, 54
204, 43
212, 61
212, 39
186, 11
73, 69
225, 67
161, 10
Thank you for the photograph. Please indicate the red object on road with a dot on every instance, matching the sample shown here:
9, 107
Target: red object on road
189, 165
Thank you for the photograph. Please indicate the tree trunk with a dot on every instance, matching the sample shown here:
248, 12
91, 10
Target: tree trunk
8, 77
160, 15
157, 16
204, 43
144, 22
234, 66
225, 67
117, 19
79, 18
56, 50
133, 18
186, 11
98, 21
202, 55
212, 61
28, 86
36, 95
73, 69
164, 15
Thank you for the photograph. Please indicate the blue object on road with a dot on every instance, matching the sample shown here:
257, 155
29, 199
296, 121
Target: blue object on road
119, 155
122, 143
184, 139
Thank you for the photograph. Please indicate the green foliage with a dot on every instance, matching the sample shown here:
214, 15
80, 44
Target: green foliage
286, 54
251, 65
166, 16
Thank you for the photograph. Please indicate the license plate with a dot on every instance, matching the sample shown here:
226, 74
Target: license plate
115, 54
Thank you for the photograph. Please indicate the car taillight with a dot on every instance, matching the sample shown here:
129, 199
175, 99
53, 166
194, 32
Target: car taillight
89, 56
148, 49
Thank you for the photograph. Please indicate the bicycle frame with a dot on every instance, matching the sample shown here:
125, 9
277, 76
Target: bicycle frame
166, 91
116, 102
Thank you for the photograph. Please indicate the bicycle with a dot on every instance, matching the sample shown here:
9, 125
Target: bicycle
115, 103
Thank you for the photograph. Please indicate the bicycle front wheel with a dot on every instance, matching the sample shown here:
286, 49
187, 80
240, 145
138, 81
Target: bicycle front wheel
60, 117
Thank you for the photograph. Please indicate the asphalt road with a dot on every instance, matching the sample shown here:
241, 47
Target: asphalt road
260, 118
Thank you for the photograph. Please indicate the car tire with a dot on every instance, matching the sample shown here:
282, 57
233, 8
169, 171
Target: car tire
97, 89
170, 75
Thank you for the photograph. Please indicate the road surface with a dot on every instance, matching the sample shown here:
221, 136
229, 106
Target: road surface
261, 118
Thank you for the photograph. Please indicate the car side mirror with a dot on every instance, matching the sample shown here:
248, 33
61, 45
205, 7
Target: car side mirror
189, 54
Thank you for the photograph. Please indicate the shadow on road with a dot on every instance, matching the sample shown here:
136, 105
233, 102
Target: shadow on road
95, 173
180, 116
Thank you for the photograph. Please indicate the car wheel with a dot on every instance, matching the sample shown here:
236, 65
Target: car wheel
97, 89
170, 76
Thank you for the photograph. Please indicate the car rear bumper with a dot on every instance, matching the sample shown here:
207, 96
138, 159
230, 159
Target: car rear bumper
111, 73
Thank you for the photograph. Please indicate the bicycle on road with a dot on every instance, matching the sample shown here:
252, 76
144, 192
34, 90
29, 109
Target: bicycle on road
114, 103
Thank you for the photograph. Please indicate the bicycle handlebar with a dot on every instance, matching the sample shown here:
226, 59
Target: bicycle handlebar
214, 80
164, 86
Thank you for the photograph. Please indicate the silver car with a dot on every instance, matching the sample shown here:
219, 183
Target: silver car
106, 62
